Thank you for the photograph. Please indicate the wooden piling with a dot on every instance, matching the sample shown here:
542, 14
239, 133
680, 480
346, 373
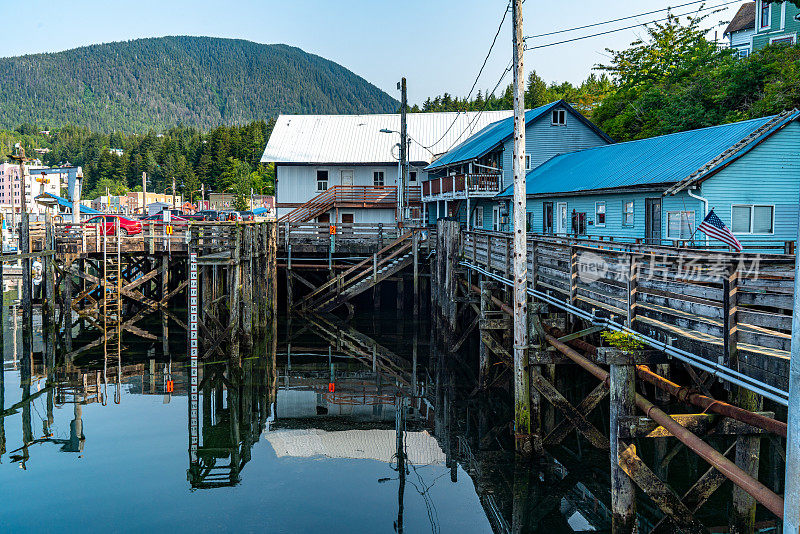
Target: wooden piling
27, 282
748, 447
622, 385
415, 253
235, 273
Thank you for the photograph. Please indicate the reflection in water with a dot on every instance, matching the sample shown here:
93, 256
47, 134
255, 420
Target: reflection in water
364, 426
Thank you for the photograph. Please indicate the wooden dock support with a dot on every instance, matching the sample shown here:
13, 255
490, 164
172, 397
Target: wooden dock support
622, 384
748, 448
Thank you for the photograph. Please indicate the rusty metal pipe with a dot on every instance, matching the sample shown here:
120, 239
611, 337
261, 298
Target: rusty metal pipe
687, 395
682, 393
735, 474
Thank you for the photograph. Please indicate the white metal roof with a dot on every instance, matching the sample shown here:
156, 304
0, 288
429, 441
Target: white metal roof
354, 139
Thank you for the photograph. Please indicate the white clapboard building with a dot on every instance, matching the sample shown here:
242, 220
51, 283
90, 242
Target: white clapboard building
344, 168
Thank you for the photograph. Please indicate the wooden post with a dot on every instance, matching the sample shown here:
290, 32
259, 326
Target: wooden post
748, 448
730, 292
249, 255
164, 303
234, 275
289, 281
66, 305
50, 288
537, 347
484, 361
400, 294
415, 254
633, 282
622, 400
27, 297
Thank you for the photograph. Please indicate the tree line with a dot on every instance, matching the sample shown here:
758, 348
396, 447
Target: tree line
226, 158
673, 79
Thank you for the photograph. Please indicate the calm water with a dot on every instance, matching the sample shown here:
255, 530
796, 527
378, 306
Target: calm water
278, 450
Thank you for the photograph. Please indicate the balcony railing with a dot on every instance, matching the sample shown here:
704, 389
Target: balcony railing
457, 185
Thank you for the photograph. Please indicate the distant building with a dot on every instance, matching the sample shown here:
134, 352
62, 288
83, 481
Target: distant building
344, 168
36, 180
112, 204
137, 203
761, 23
227, 201
116, 151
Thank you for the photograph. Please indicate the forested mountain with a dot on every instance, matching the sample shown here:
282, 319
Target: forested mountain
162, 82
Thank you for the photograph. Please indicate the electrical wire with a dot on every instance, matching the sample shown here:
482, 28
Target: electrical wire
475, 83
627, 27
565, 30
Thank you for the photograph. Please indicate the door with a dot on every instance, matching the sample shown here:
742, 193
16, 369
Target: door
652, 220
347, 223
547, 218
562, 218
347, 177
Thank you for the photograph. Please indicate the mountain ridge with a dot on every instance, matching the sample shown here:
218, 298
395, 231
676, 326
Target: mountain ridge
160, 82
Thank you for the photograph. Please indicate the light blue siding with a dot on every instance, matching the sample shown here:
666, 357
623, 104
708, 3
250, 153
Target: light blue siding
544, 140
614, 212
770, 175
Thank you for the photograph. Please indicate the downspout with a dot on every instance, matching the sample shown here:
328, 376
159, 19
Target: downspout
705, 208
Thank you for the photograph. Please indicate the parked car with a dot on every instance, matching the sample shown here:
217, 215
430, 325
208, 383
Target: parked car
108, 225
160, 218
210, 215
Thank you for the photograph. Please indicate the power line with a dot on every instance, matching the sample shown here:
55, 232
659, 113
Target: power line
627, 27
486, 59
565, 30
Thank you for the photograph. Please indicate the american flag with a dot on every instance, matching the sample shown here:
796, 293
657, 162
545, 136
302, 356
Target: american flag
714, 227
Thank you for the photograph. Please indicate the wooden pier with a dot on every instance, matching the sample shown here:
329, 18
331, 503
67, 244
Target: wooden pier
719, 322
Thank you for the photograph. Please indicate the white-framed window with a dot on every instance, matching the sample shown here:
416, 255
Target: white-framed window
322, 180
765, 14
378, 178
527, 162
680, 224
752, 219
559, 117
496, 218
782, 40
627, 213
600, 214
412, 176
478, 223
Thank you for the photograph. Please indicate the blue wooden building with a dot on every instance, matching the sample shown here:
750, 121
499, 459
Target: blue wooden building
659, 189
467, 177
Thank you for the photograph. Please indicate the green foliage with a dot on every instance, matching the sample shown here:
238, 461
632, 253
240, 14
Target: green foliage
188, 155
676, 80
623, 340
159, 83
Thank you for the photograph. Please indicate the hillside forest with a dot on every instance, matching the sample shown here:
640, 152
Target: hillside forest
673, 79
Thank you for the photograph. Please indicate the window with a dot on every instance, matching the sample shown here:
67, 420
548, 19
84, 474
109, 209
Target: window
787, 40
559, 117
377, 178
627, 213
322, 180
744, 52
764, 18
478, 217
529, 221
680, 224
600, 214
412, 176
746, 219
527, 162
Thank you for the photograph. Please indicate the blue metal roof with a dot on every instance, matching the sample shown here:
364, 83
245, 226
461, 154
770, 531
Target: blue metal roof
657, 160
64, 203
488, 138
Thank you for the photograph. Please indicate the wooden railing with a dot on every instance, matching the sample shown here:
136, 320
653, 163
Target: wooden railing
734, 309
481, 183
316, 232
363, 196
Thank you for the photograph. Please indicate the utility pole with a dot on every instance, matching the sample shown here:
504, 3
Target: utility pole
791, 495
401, 189
173, 192
144, 192
522, 404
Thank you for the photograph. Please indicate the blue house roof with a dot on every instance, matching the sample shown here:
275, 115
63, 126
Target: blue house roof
496, 133
64, 203
665, 159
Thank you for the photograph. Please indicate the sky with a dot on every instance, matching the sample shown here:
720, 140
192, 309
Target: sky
438, 45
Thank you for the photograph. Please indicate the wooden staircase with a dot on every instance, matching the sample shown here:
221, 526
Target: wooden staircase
386, 262
343, 196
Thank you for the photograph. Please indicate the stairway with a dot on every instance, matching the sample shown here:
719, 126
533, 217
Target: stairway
318, 205
350, 196
386, 262
112, 296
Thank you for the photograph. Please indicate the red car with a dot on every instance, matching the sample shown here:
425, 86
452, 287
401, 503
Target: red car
109, 224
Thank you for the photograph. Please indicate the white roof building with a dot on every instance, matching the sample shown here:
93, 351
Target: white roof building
357, 139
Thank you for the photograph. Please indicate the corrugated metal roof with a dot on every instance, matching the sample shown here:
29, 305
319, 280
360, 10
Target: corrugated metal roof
656, 160
486, 139
357, 138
